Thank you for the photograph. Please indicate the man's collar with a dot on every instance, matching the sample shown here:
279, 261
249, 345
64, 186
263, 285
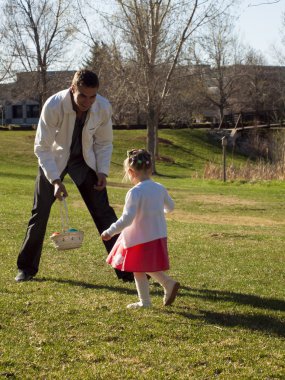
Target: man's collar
72, 101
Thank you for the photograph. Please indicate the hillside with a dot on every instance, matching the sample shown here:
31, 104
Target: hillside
183, 152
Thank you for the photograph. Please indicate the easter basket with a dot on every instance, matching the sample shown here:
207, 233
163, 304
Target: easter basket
69, 238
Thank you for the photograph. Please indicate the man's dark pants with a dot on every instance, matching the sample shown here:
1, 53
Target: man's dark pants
97, 203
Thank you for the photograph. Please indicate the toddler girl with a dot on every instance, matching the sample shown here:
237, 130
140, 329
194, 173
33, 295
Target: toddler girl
142, 246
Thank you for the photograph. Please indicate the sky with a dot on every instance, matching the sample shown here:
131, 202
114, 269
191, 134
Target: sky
260, 26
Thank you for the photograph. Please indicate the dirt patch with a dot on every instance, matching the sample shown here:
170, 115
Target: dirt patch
165, 141
235, 220
165, 159
140, 138
30, 138
81, 205
222, 200
187, 217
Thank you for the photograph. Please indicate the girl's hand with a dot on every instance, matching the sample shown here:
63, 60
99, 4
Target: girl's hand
105, 236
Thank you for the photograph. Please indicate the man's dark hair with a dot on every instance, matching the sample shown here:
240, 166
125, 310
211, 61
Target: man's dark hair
85, 78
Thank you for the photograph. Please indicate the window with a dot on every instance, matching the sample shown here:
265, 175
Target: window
2, 114
17, 112
33, 110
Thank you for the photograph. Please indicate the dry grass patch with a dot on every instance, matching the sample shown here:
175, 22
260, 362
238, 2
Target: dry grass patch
221, 199
235, 220
250, 171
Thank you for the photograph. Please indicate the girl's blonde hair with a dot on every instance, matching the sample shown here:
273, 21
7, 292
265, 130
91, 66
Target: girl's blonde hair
138, 160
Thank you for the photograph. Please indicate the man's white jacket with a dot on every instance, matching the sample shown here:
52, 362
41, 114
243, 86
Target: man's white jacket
55, 129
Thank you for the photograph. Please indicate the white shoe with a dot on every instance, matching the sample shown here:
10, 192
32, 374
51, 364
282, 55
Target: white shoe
170, 293
23, 276
137, 305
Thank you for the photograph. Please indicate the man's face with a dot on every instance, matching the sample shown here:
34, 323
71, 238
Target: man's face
84, 97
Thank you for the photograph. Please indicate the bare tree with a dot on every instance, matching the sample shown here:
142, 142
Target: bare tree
5, 71
5, 60
278, 49
155, 33
258, 3
220, 49
118, 76
279, 84
38, 32
255, 82
118, 81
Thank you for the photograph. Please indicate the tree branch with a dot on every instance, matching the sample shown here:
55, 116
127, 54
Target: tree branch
266, 3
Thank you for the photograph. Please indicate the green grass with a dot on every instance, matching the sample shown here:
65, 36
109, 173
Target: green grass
226, 243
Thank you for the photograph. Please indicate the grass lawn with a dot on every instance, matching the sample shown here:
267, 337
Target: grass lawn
226, 244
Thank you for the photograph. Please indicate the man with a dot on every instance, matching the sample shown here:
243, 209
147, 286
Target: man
74, 136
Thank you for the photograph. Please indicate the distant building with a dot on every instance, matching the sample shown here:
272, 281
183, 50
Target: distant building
19, 100
250, 93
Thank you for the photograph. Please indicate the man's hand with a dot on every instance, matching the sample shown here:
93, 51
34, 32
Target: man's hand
59, 189
102, 182
105, 236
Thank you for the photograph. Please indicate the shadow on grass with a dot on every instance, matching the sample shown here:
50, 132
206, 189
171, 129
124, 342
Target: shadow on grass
157, 174
255, 322
263, 323
240, 298
86, 285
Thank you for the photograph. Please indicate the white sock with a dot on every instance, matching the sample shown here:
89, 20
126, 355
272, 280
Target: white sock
142, 286
165, 281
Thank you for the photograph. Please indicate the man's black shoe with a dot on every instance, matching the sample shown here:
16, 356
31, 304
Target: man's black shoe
125, 276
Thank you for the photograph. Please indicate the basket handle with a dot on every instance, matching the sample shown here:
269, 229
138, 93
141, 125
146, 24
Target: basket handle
64, 215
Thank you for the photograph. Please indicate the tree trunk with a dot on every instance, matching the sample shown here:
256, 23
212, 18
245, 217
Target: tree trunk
221, 109
43, 87
151, 133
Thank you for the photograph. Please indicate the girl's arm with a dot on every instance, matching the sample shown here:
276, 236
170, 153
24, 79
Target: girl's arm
127, 217
168, 203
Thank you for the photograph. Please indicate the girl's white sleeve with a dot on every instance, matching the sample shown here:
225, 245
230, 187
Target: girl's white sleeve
129, 213
168, 203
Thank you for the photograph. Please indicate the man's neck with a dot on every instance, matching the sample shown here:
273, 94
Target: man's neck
79, 114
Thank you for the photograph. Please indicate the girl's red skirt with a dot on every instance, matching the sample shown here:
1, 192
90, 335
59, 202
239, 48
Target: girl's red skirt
146, 257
